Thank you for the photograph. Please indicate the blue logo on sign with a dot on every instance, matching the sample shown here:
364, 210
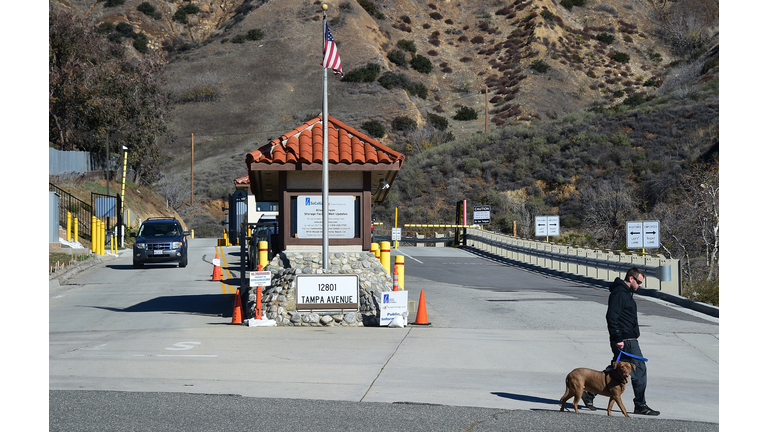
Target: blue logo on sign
386, 298
307, 203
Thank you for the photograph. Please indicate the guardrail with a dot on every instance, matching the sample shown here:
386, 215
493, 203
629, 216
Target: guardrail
588, 263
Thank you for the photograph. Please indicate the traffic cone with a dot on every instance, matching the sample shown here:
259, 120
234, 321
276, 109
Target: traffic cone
395, 280
421, 313
237, 313
216, 269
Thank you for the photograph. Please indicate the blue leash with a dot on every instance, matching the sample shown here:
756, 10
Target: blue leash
630, 355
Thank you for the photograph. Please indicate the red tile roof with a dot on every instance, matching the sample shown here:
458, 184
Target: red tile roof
346, 145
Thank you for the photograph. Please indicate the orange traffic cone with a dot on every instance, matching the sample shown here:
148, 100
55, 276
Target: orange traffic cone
216, 269
421, 314
396, 280
237, 313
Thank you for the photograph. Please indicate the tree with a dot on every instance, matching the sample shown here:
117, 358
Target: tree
607, 206
96, 89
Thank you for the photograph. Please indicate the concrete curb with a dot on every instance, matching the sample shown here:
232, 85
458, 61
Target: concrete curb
704, 308
57, 279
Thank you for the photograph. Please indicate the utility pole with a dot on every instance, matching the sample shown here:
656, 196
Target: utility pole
192, 174
486, 109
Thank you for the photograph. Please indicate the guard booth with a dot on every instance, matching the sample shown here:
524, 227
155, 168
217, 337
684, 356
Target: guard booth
288, 171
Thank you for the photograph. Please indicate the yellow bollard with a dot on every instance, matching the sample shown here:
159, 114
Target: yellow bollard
385, 256
93, 234
375, 250
263, 253
400, 266
100, 229
113, 244
192, 234
76, 230
69, 226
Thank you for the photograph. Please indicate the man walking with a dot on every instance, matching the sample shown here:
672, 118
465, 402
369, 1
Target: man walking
624, 331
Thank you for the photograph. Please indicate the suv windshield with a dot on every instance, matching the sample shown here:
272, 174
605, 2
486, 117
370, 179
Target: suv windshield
159, 230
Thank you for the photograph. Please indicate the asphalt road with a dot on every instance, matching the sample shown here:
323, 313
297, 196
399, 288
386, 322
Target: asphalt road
153, 349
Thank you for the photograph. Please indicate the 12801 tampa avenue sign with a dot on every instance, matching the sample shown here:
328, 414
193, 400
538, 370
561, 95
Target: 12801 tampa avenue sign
332, 291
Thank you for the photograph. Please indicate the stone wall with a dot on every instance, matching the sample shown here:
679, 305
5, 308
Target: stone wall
278, 301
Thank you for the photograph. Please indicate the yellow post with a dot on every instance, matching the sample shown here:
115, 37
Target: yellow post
385, 256
192, 234
102, 237
69, 226
93, 234
76, 230
400, 266
263, 253
375, 250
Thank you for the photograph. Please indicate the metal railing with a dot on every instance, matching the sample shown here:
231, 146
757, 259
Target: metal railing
77, 207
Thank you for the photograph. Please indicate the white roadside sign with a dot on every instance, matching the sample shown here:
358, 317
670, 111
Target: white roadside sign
547, 226
260, 278
643, 234
392, 304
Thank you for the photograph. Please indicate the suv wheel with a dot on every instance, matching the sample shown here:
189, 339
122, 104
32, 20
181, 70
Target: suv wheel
183, 262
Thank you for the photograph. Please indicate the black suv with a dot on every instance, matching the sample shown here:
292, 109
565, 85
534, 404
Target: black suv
160, 240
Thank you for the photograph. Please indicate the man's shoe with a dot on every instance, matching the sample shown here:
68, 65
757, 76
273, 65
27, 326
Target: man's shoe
587, 398
645, 410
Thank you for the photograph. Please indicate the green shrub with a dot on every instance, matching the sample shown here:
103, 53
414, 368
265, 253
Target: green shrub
141, 43
540, 66
390, 80
397, 57
605, 37
547, 15
254, 34
421, 64
407, 45
568, 4
374, 128
182, 12
369, 7
470, 164
440, 123
620, 57
238, 39
367, 73
619, 93
417, 89
403, 123
113, 3
634, 100
149, 10
465, 114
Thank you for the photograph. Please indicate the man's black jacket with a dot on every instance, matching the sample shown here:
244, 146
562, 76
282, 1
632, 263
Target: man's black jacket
622, 312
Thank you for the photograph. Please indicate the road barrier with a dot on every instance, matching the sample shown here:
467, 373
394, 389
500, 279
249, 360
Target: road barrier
579, 262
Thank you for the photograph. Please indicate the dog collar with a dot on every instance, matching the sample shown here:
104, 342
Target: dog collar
630, 355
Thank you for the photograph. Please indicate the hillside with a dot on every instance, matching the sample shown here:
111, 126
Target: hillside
540, 62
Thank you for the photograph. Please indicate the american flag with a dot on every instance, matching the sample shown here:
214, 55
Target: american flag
331, 57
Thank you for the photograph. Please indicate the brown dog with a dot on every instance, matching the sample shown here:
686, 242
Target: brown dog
607, 384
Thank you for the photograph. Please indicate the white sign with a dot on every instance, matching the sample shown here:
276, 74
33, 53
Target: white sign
547, 226
341, 216
260, 278
642, 234
392, 304
482, 215
397, 234
327, 291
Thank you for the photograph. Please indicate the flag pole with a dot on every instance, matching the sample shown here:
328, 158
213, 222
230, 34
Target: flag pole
325, 153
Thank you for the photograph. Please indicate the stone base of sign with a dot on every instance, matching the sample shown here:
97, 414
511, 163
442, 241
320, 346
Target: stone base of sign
278, 301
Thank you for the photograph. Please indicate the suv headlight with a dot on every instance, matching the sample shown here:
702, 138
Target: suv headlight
141, 246
176, 245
